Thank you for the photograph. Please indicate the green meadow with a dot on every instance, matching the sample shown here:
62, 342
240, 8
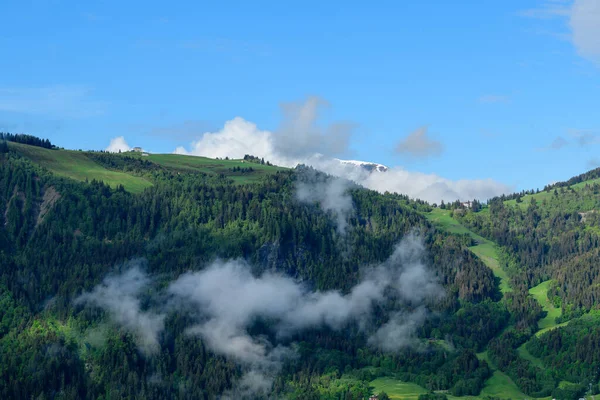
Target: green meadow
76, 165
206, 165
540, 293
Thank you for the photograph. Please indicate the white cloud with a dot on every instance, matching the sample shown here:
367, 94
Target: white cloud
432, 187
583, 20
239, 137
332, 195
291, 306
223, 320
118, 144
60, 101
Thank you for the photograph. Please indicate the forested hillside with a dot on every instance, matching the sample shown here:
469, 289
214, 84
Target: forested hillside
62, 238
223, 278
548, 247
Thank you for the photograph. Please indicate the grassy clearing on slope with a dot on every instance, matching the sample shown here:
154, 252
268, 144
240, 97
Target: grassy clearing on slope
211, 166
485, 249
526, 355
499, 385
397, 389
75, 165
488, 254
443, 219
539, 197
540, 293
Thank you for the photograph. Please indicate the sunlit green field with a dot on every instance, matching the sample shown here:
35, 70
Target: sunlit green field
541, 196
398, 389
76, 165
211, 166
499, 385
540, 293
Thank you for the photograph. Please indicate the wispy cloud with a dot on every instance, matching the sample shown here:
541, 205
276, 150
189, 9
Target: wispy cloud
558, 143
119, 296
584, 137
92, 17
223, 320
299, 133
582, 26
493, 98
419, 144
224, 45
547, 10
58, 101
331, 193
593, 163
576, 137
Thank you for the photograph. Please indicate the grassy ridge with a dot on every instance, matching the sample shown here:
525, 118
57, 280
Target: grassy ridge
211, 166
75, 165
547, 195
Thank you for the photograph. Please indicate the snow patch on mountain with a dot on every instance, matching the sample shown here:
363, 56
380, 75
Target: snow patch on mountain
369, 166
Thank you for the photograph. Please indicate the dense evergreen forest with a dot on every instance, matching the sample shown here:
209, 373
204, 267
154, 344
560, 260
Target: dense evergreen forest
62, 240
25, 139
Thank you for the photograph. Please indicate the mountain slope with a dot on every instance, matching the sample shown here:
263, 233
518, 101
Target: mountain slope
99, 285
548, 247
98, 252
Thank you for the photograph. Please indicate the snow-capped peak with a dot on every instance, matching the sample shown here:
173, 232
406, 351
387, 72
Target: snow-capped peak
369, 166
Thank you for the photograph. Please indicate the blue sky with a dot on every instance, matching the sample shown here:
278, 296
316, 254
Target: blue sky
508, 90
